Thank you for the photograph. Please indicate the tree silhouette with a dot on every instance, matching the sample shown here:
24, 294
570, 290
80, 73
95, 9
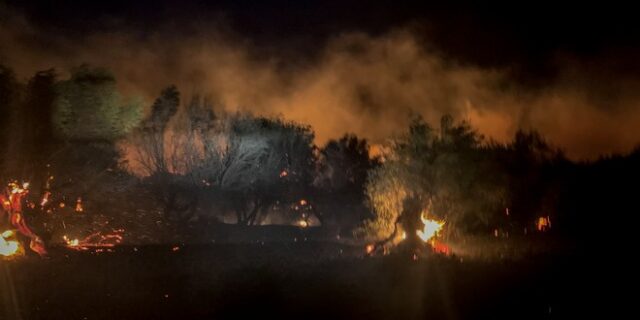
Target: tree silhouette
88, 107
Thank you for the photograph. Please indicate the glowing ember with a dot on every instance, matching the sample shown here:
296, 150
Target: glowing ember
8, 245
71, 243
79, 207
441, 248
543, 223
45, 199
96, 241
370, 248
431, 228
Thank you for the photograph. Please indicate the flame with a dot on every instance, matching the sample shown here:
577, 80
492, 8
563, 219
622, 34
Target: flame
16, 188
12, 205
543, 223
430, 230
283, 174
45, 199
369, 248
8, 247
441, 248
79, 207
70, 242
96, 240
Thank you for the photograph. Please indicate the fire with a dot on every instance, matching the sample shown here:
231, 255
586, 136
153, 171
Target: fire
431, 228
17, 189
79, 207
369, 248
96, 241
12, 200
284, 173
441, 248
70, 242
543, 223
8, 246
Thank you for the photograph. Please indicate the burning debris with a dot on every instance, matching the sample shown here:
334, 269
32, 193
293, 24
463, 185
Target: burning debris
79, 207
303, 223
370, 248
45, 199
543, 223
12, 206
95, 241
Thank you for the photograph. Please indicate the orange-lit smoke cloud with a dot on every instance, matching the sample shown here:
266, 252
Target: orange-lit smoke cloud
358, 83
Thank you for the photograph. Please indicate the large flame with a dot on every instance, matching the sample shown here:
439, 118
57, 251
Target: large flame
11, 200
8, 246
430, 230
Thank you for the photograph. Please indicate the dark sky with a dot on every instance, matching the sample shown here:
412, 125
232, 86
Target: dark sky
529, 64
523, 32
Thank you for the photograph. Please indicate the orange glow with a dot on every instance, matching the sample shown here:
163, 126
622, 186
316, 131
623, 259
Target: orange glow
11, 201
97, 241
45, 199
79, 207
543, 223
369, 248
441, 248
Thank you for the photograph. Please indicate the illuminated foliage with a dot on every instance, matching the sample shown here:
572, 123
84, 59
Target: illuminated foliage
445, 170
88, 107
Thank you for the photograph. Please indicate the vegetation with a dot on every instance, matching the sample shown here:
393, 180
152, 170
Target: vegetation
189, 162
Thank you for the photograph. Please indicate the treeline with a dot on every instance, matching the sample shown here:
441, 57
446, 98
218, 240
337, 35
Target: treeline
186, 161
204, 163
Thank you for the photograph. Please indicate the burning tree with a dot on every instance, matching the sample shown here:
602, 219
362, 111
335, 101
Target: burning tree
431, 175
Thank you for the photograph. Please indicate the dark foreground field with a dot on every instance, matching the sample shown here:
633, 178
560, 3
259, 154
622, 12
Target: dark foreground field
295, 280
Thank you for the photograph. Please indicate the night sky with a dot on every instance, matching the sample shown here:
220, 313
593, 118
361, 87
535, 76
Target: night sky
571, 72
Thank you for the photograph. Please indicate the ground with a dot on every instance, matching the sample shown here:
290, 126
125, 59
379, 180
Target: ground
291, 280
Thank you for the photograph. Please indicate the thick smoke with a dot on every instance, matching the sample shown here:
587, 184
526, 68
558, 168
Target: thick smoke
368, 85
